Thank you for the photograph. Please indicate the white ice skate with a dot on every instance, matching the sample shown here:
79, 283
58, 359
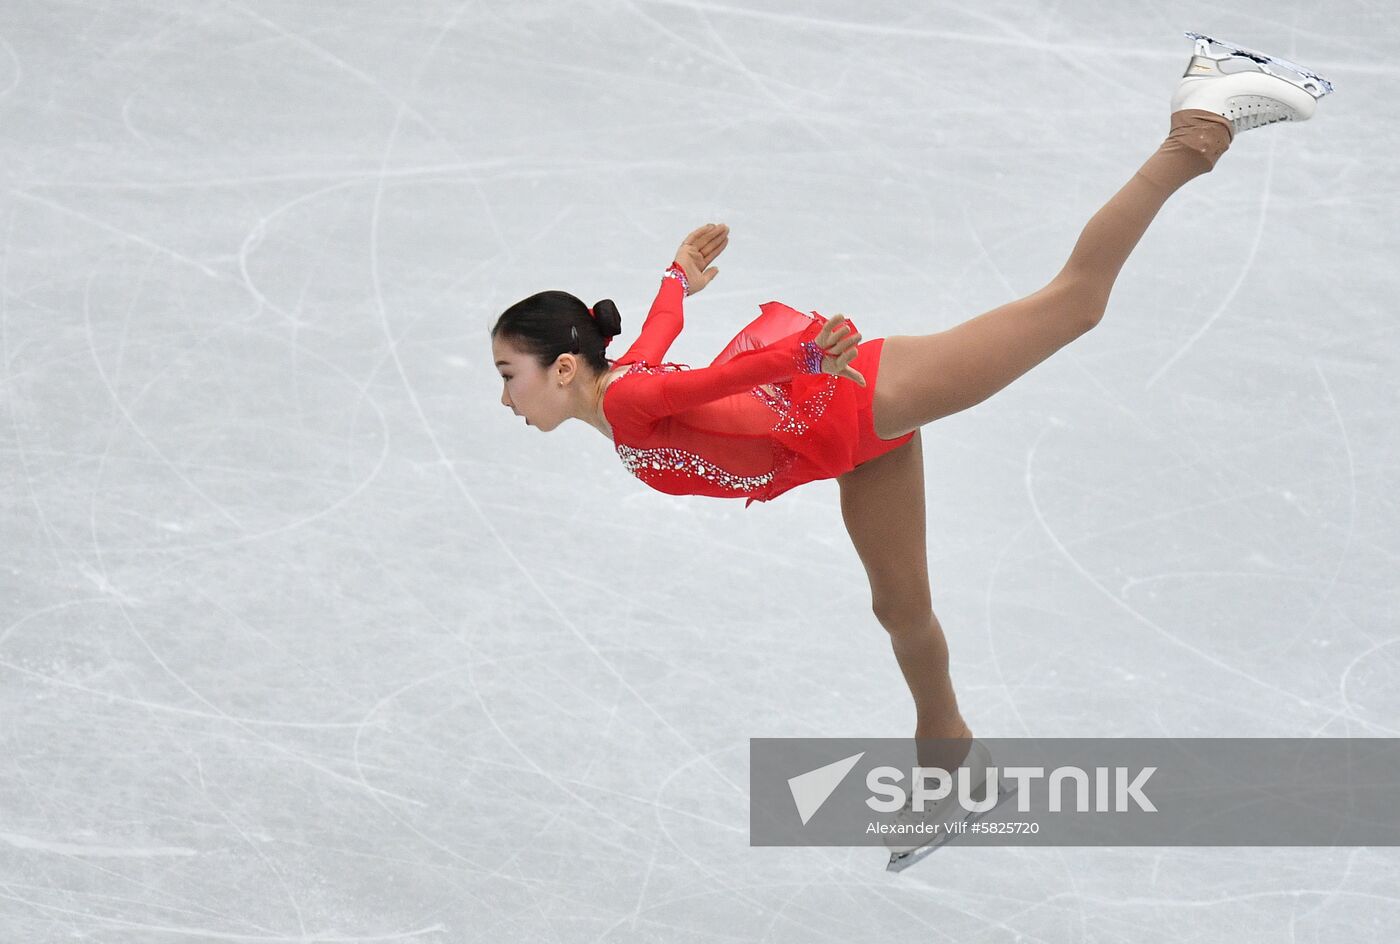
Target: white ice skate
908, 848
1246, 86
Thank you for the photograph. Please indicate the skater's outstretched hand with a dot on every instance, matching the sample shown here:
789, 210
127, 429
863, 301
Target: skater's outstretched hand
698, 251
838, 339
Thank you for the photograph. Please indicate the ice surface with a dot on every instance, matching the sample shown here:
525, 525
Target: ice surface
304, 636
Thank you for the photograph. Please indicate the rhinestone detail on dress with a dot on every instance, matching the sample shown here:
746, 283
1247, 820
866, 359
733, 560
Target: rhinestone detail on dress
774, 396
797, 420
641, 461
674, 271
646, 367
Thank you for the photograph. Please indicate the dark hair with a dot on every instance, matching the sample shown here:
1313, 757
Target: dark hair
548, 324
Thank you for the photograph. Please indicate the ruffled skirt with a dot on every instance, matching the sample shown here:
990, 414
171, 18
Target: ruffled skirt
825, 423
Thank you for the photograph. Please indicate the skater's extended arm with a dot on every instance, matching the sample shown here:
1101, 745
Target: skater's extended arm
689, 273
652, 396
828, 347
664, 322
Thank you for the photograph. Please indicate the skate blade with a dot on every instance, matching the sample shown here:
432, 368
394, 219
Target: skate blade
899, 861
1305, 78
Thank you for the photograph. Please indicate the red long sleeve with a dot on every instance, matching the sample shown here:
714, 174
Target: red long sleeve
648, 397
663, 324
776, 363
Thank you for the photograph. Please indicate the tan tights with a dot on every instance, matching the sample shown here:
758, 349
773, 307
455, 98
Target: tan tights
926, 377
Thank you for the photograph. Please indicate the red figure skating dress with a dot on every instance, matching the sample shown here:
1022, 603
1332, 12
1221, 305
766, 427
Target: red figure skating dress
761, 419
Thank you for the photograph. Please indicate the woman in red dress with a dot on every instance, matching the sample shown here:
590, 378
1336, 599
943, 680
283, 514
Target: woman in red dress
797, 397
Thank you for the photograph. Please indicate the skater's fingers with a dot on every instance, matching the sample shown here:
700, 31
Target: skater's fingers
843, 341
840, 348
714, 248
838, 363
714, 234
698, 234
832, 331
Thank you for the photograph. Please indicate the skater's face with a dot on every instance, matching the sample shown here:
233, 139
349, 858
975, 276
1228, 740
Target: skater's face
526, 387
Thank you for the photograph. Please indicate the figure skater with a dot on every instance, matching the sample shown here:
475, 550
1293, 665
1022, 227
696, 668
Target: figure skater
796, 398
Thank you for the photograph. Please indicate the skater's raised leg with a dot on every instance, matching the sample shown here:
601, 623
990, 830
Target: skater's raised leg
1226, 89
926, 377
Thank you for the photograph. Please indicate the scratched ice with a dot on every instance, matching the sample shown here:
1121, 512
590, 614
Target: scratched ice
305, 637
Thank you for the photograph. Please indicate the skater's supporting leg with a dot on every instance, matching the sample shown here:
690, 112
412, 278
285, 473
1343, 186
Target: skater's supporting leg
926, 377
882, 504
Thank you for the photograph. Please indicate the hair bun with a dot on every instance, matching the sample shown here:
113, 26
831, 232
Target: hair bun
608, 317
